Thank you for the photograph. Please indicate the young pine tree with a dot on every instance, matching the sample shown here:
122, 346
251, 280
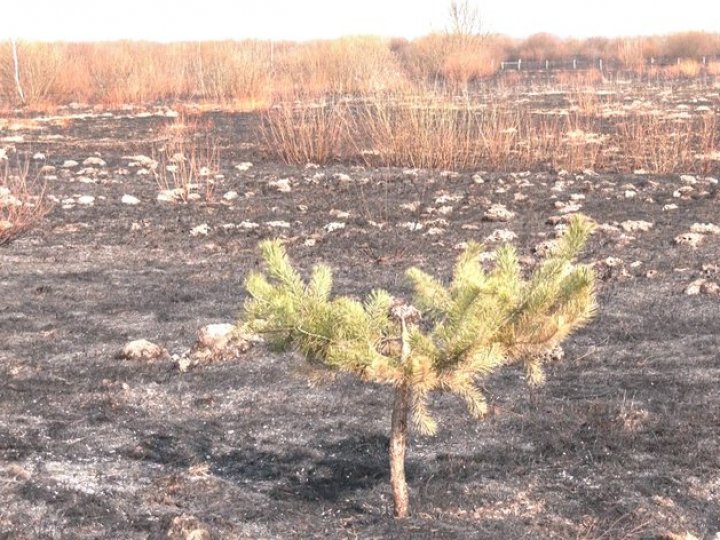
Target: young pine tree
449, 339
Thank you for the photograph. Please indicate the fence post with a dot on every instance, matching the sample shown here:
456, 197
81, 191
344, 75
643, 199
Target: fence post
574, 63
519, 63
601, 65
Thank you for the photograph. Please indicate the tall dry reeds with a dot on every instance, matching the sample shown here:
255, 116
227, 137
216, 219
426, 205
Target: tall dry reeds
441, 132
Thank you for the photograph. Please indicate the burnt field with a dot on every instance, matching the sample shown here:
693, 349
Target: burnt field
622, 442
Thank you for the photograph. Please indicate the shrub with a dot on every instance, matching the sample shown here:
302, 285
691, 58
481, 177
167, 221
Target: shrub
478, 323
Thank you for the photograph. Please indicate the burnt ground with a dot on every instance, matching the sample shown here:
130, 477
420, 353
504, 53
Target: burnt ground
622, 442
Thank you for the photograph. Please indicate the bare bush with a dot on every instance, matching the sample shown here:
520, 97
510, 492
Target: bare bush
22, 202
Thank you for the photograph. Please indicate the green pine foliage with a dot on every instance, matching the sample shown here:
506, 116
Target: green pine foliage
469, 328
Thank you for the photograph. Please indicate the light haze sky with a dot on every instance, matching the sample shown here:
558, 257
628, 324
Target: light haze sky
189, 20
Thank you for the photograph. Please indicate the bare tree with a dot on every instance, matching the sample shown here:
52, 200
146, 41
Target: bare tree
465, 20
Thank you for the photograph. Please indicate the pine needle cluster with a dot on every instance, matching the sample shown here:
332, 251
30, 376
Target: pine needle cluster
478, 322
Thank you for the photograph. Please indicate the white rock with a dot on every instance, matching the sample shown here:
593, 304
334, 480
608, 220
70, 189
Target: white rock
86, 200
339, 214
411, 226
570, 208
501, 235
342, 178
635, 226
129, 199
334, 226
445, 198
689, 239
282, 185
201, 229
688, 179
630, 194
230, 196
94, 161
435, 231
498, 213
69, 164
705, 228
248, 225
278, 224
477, 179
141, 161
215, 336
244, 166
142, 349
217, 342
695, 287
38, 156
669, 207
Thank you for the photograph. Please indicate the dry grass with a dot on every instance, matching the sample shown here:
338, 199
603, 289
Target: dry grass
22, 202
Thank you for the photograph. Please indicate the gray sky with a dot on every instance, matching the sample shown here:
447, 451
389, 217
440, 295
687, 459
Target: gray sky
172, 20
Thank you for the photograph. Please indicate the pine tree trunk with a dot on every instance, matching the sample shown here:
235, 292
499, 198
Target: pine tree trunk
398, 443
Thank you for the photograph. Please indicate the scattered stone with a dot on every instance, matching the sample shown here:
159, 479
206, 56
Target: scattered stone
141, 160
248, 225
244, 166
282, 185
142, 349
86, 200
501, 235
498, 213
334, 226
278, 224
635, 226
339, 214
445, 210
669, 207
477, 179
703, 286
69, 164
435, 231
342, 178
705, 228
470, 227
215, 342
445, 198
130, 200
689, 239
230, 196
411, 226
39, 156
170, 195
202, 229
630, 194
94, 161
688, 179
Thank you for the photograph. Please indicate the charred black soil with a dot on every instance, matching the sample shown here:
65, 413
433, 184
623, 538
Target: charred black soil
622, 442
